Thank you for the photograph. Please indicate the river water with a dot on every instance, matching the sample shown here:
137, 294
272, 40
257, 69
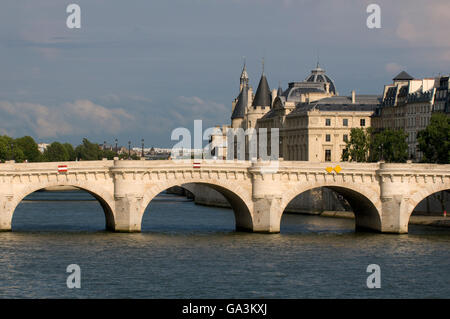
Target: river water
191, 251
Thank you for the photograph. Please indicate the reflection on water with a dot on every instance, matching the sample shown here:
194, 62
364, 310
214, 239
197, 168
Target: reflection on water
190, 251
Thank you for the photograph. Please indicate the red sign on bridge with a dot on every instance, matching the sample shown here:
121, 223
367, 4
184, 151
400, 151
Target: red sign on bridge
62, 168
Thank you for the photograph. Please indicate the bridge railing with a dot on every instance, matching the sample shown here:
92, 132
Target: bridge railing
53, 166
338, 167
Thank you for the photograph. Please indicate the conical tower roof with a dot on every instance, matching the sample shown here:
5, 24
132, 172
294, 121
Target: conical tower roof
241, 104
263, 95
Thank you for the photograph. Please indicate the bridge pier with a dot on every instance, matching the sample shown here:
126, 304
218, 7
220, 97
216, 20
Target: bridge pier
5, 217
128, 215
266, 214
394, 195
394, 217
6, 207
267, 200
128, 197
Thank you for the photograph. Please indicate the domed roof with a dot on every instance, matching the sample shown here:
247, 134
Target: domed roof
318, 75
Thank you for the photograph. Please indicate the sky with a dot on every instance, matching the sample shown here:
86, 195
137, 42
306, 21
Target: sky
139, 69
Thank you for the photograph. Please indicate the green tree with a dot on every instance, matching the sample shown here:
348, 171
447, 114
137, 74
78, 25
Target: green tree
70, 151
88, 151
56, 152
124, 156
434, 140
389, 145
9, 150
357, 147
29, 148
108, 154
5, 151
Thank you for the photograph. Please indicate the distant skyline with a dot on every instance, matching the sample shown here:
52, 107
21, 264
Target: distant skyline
139, 69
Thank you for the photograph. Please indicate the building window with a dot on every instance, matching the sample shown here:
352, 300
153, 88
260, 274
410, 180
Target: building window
362, 122
327, 137
345, 122
345, 138
327, 155
328, 122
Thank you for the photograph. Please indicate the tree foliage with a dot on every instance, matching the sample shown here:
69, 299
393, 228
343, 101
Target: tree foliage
10, 150
70, 151
366, 146
29, 148
56, 152
88, 151
357, 147
390, 146
434, 140
25, 148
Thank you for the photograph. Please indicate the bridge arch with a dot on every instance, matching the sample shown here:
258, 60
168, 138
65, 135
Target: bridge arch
101, 195
238, 197
407, 208
365, 202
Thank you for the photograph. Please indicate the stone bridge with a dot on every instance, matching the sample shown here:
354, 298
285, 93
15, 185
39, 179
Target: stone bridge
382, 195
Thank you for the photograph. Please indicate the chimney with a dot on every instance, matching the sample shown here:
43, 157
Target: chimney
353, 97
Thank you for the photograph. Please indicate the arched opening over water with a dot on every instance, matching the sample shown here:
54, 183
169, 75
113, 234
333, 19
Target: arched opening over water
341, 203
61, 209
429, 208
166, 211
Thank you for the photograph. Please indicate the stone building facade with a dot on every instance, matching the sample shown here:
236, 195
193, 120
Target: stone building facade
314, 122
268, 108
318, 132
408, 104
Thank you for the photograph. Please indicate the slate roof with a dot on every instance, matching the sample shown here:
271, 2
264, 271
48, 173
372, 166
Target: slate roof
340, 103
241, 104
403, 76
263, 97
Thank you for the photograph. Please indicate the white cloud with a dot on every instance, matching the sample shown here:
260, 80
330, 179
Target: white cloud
102, 118
33, 117
81, 116
128, 116
424, 23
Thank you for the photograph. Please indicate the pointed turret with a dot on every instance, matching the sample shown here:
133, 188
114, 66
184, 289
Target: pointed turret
241, 104
263, 96
244, 77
